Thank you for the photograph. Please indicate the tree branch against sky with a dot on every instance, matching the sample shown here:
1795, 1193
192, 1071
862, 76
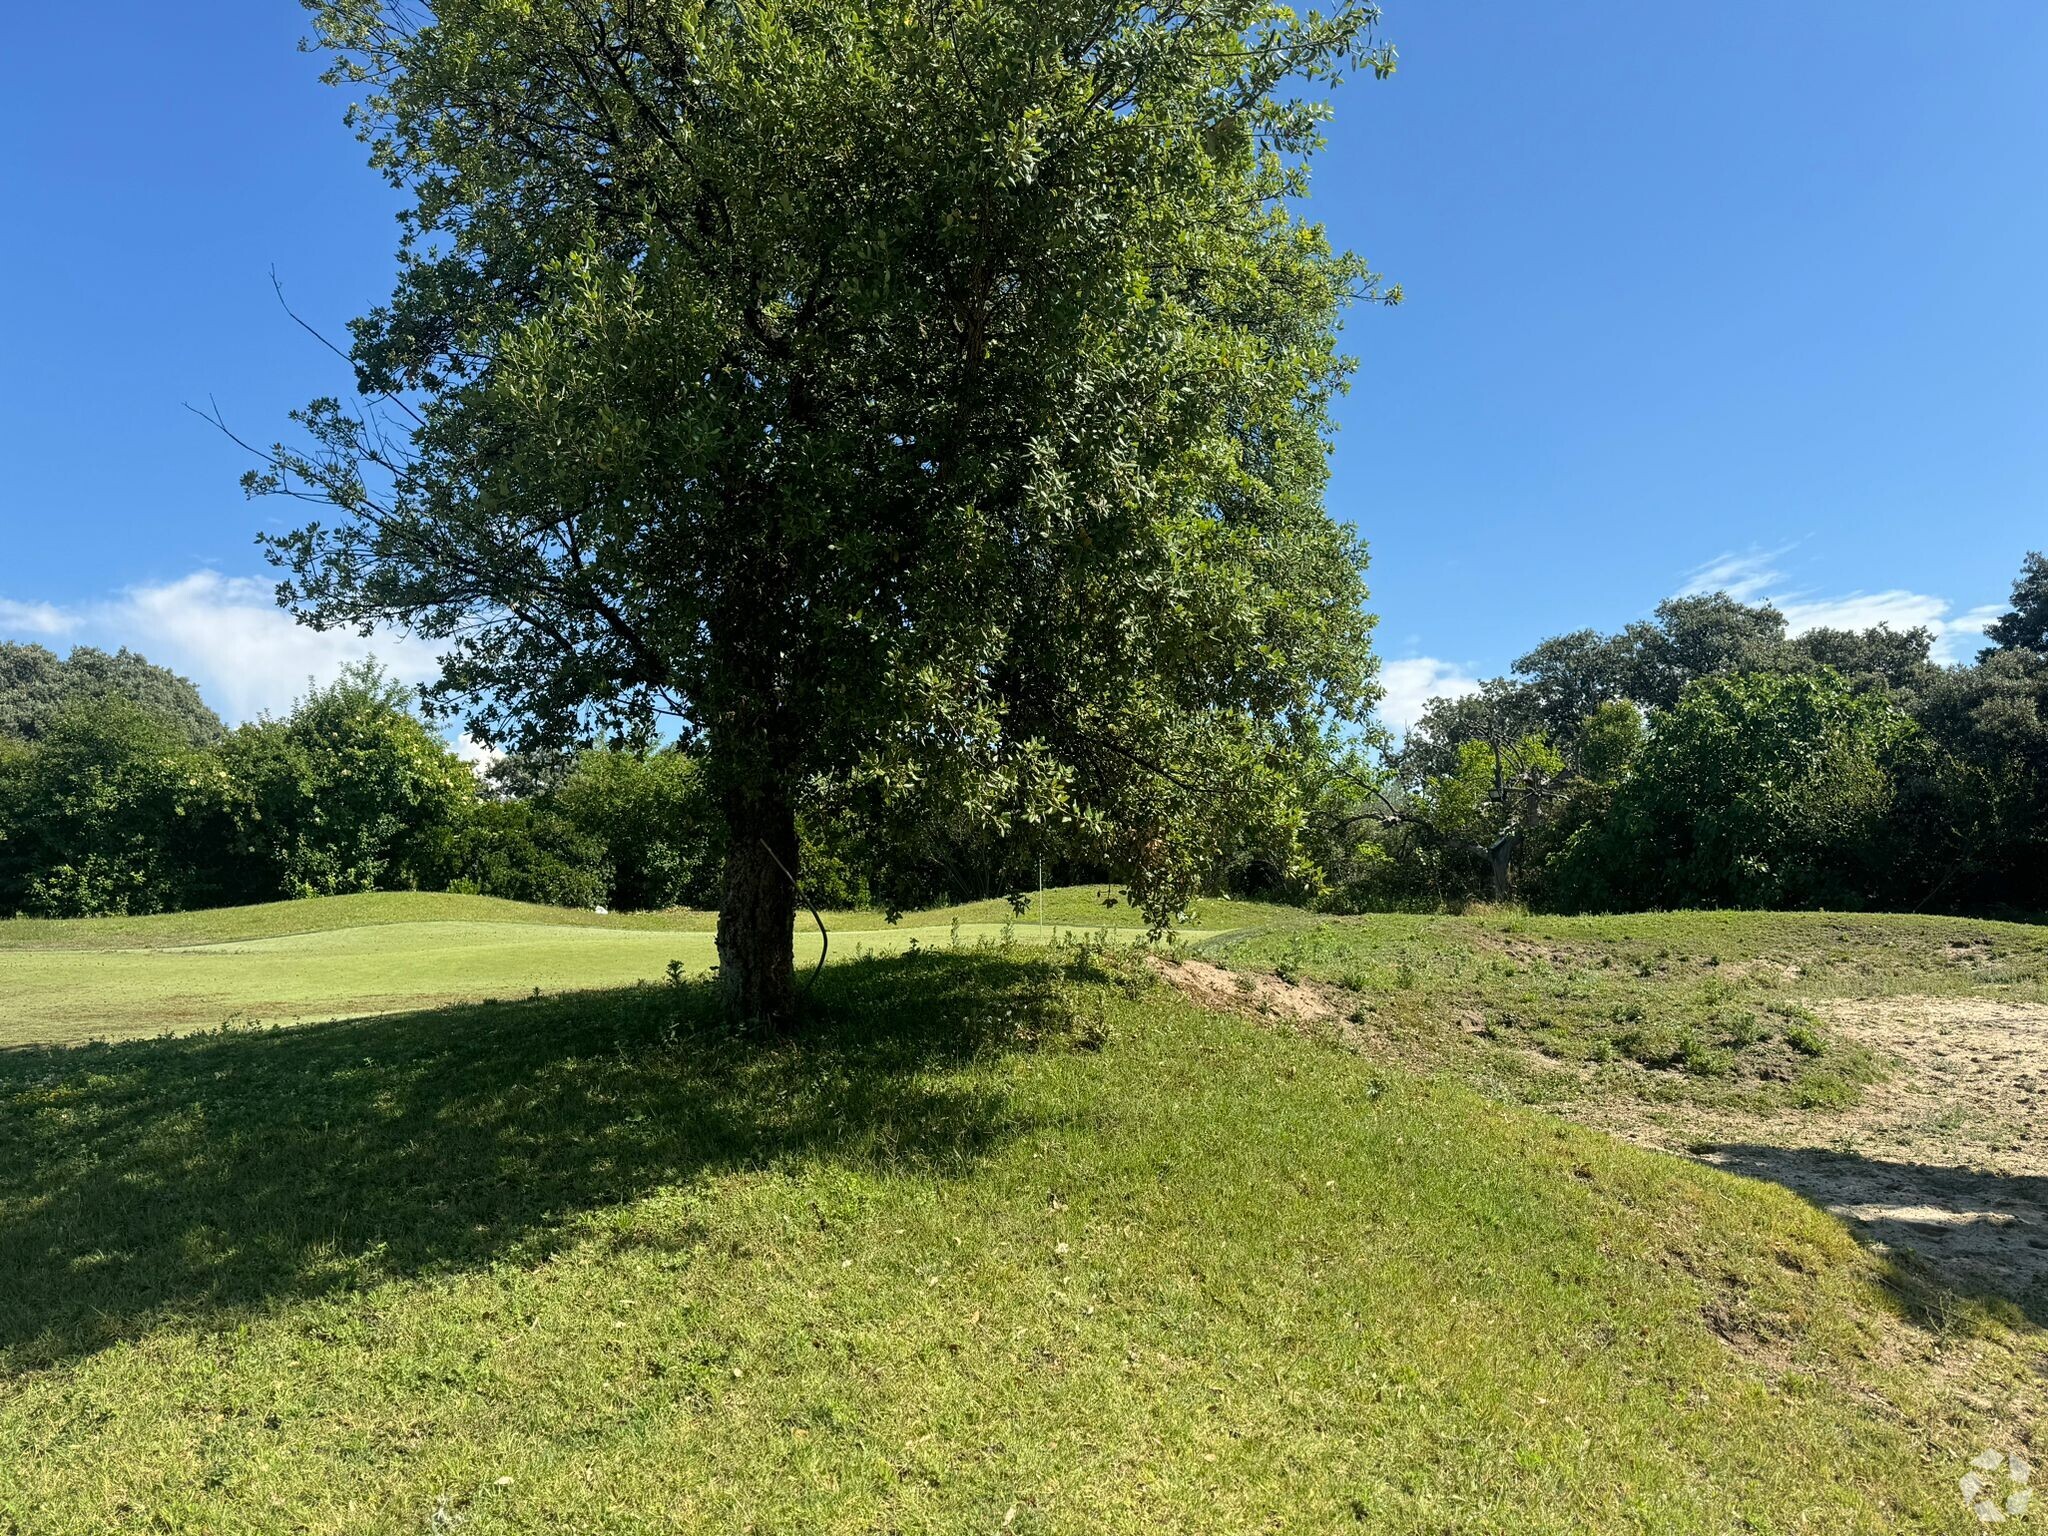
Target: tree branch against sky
913, 405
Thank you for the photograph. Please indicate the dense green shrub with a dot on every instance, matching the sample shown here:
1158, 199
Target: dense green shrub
111, 811
651, 817
347, 793
522, 852
114, 810
1756, 790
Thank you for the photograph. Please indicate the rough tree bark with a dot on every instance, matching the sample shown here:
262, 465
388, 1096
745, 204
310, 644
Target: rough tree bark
1500, 863
757, 917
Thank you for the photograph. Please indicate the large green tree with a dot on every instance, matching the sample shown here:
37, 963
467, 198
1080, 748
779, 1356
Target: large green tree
1980, 810
920, 403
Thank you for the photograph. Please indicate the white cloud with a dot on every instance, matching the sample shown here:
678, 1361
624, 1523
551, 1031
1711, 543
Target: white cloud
1755, 577
227, 634
1898, 608
476, 754
1962, 636
1413, 682
43, 620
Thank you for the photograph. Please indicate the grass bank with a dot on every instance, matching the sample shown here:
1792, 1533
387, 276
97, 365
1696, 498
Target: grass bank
1010, 1242
1722, 1009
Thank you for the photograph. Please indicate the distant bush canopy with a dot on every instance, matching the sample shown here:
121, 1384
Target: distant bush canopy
112, 810
1707, 758
1755, 789
36, 688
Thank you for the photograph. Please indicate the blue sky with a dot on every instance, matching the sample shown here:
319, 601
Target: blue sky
1695, 296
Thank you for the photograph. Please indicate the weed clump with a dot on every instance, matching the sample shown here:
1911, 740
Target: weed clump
1806, 1040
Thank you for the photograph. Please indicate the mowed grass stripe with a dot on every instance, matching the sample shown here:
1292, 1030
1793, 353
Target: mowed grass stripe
360, 956
1089, 907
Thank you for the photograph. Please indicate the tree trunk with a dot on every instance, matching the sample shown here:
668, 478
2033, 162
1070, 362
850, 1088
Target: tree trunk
757, 917
1500, 863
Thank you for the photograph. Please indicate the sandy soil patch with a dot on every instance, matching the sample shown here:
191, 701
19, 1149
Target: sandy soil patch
1262, 996
1948, 1159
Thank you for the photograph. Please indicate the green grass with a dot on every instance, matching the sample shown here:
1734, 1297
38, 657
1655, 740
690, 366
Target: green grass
1011, 1241
289, 962
1086, 907
1685, 1007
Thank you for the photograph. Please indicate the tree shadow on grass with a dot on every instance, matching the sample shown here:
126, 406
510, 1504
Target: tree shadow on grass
194, 1179
1956, 1235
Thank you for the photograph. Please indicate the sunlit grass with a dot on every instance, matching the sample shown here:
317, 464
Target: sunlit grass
1009, 1242
1722, 1008
348, 956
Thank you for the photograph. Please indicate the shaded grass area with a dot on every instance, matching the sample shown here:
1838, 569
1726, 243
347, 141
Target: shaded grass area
246, 1165
1711, 1008
1007, 1242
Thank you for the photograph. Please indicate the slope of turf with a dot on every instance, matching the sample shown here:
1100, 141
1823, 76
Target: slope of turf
1009, 1242
347, 956
1701, 1007
1821, 954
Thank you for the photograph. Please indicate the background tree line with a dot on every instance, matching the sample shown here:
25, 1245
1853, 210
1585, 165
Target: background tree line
1703, 758
1706, 758
121, 792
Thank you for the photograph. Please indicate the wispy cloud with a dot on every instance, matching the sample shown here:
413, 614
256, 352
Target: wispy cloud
1755, 576
1413, 682
226, 633
42, 620
1897, 608
1744, 577
1970, 626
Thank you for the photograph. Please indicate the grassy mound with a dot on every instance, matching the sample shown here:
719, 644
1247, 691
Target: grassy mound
1079, 907
1011, 1242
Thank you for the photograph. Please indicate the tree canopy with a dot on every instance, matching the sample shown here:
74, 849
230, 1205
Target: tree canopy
2024, 627
1758, 789
36, 687
349, 792
914, 406
110, 811
113, 810
1710, 756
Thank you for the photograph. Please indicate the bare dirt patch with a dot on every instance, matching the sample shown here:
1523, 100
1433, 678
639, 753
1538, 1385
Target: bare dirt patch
1262, 996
